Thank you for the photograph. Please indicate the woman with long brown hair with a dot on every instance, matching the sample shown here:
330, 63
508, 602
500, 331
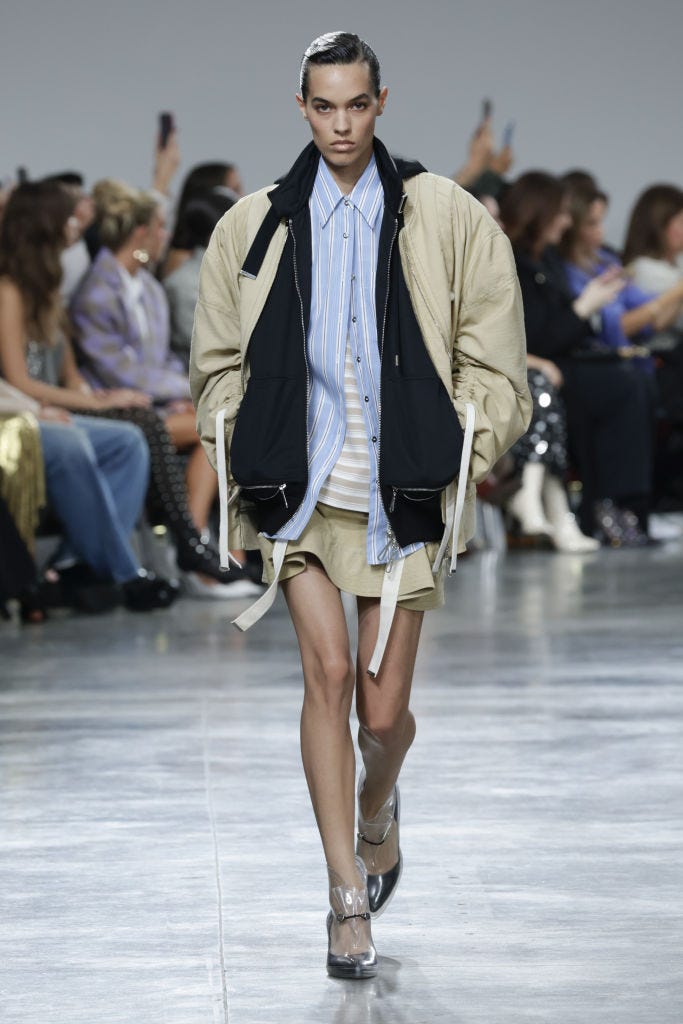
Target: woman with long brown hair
96, 471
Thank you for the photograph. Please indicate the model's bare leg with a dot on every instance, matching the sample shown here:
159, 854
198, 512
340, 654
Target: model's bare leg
387, 726
326, 743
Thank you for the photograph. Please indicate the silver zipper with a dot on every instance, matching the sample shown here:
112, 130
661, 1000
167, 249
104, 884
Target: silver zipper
407, 491
268, 487
303, 333
391, 544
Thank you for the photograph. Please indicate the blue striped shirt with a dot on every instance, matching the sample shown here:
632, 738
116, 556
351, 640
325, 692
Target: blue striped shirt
345, 238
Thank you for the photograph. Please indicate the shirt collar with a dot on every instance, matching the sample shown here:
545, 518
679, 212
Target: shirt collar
367, 195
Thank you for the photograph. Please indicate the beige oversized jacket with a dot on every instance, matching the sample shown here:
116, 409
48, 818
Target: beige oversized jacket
463, 285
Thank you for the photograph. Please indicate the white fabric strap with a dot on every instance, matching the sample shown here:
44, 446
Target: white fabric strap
391, 585
455, 497
224, 499
259, 608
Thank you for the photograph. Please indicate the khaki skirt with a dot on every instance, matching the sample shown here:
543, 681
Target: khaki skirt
337, 537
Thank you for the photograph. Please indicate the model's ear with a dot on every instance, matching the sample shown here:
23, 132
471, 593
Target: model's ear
381, 100
301, 102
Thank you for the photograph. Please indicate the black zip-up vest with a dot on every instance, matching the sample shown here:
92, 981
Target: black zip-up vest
420, 441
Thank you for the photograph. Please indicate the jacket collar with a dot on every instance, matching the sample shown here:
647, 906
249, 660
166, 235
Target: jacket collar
293, 191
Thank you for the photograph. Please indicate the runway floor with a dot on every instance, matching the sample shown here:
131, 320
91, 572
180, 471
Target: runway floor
159, 862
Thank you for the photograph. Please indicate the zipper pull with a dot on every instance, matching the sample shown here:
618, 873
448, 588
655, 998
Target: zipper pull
392, 506
281, 489
390, 550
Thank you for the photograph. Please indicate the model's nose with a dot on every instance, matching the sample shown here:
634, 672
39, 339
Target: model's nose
342, 122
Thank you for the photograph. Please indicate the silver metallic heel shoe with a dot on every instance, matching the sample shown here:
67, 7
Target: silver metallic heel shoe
381, 886
350, 950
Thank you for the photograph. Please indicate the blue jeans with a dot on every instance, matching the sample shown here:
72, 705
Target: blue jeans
96, 474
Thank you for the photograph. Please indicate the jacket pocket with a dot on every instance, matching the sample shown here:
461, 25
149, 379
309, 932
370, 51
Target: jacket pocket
421, 439
268, 446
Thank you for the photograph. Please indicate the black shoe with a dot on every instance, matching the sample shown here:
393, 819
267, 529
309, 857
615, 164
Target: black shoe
146, 592
193, 555
78, 587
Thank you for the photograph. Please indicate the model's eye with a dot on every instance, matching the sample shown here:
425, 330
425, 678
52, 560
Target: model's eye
360, 106
321, 108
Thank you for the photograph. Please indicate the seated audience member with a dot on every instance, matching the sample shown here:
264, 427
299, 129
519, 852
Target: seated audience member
654, 257
607, 403
121, 322
75, 258
220, 178
95, 470
182, 286
633, 314
540, 506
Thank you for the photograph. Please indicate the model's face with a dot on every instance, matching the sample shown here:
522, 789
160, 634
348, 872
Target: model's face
673, 236
592, 230
341, 109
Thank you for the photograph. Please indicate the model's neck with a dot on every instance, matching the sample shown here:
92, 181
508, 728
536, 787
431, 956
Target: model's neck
348, 177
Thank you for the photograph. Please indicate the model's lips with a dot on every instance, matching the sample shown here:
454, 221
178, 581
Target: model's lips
343, 145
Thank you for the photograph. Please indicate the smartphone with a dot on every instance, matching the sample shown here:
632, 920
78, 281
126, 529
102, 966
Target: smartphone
486, 109
508, 133
166, 127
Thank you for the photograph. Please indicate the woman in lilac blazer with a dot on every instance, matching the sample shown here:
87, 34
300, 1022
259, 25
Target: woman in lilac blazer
121, 326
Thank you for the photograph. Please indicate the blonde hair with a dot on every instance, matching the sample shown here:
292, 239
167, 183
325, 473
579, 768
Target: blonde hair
119, 210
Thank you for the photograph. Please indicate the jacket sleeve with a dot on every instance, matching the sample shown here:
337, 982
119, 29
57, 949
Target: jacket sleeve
489, 363
104, 346
215, 355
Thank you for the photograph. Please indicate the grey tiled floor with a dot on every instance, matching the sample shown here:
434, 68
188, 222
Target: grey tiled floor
159, 862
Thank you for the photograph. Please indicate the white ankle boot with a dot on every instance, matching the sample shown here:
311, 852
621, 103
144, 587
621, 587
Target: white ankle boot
526, 505
565, 533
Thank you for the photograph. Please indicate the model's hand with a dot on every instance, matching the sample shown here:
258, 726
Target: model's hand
599, 292
53, 414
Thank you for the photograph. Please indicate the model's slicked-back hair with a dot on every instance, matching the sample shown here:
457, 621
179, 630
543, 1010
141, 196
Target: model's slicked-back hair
339, 48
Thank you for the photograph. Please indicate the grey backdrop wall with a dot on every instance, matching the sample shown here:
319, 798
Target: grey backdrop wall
596, 83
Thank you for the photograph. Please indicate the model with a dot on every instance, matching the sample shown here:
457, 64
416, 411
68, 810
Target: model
358, 363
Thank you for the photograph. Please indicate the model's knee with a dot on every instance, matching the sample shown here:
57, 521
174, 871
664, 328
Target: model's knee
387, 727
329, 684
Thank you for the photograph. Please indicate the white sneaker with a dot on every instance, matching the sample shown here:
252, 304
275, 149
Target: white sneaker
193, 586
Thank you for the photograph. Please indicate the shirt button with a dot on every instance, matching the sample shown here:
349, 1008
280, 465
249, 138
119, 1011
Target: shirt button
357, 359
346, 202
374, 439
354, 319
345, 235
367, 399
353, 277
